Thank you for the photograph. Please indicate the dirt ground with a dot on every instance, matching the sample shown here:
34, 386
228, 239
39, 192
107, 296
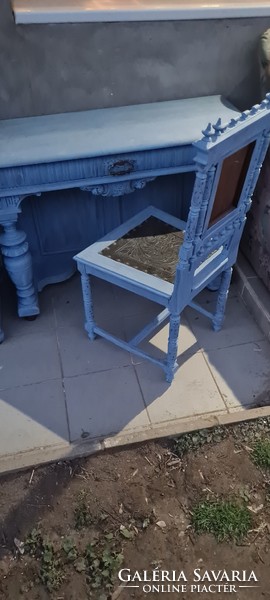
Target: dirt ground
136, 504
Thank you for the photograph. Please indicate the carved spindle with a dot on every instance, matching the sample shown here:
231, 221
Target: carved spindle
222, 299
88, 305
194, 211
172, 346
204, 206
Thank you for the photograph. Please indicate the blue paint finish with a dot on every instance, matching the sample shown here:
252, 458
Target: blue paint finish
157, 321
209, 250
16, 256
93, 133
1, 330
85, 166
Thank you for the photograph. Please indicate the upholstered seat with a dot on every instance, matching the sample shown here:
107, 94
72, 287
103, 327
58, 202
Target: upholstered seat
152, 246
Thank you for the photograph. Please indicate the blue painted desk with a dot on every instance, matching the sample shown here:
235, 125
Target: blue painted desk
66, 179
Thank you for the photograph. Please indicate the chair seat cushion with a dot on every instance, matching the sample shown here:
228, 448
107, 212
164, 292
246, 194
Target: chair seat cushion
151, 247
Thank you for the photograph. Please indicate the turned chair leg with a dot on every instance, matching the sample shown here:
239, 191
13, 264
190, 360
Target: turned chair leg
171, 365
88, 306
223, 291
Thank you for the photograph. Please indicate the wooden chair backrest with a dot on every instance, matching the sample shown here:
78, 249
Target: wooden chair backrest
232, 177
228, 162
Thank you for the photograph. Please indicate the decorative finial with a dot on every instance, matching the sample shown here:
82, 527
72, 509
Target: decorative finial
219, 128
208, 131
218, 123
233, 122
267, 100
244, 115
254, 109
264, 102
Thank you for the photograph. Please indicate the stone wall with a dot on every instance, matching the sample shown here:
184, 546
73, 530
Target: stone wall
256, 238
67, 67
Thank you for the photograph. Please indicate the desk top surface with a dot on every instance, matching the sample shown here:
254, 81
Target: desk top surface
110, 131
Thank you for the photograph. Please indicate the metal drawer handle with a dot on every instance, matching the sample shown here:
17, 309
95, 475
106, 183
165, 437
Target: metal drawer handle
122, 167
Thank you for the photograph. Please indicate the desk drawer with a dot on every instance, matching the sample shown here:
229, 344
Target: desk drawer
79, 172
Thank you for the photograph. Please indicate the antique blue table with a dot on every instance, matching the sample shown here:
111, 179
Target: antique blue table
65, 180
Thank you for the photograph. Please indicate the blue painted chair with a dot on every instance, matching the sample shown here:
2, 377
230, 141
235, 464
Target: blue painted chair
170, 261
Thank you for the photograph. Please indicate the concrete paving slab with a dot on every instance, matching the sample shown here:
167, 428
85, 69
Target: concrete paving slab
68, 304
29, 358
193, 391
157, 344
46, 454
112, 398
242, 373
245, 267
43, 455
32, 416
79, 355
238, 327
15, 326
171, 429
253, 293
102, 404
256, 298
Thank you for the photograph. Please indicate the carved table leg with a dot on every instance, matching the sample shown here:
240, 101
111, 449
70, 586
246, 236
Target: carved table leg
18, 263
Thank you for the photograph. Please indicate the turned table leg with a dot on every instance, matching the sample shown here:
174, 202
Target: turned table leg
17, 261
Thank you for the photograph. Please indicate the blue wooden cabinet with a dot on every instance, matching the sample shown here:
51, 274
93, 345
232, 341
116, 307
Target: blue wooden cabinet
66, 180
